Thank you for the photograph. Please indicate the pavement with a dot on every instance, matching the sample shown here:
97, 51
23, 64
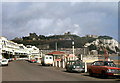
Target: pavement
24, 71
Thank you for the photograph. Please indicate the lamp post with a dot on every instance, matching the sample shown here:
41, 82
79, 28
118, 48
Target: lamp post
41, 53
56, 46
73, 49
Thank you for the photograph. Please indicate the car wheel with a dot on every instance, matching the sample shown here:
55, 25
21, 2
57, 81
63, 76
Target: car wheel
71, 70
104, 75
43, 64
66, 69
90, 73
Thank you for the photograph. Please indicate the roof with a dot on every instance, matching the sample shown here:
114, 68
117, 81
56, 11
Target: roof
103, 61
56, 53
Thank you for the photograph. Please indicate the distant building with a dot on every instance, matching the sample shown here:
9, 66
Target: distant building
45, 46
94, 52
20, 39
10, 49
93, 36
84, 51
68, 33
34, 51
32, 34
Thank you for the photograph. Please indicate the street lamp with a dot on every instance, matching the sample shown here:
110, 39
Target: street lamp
73, 48
41, 53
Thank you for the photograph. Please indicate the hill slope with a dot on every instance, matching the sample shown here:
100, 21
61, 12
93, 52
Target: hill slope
65, 41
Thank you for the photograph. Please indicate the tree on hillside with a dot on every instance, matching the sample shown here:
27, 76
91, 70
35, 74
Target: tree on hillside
92, 47
105, 37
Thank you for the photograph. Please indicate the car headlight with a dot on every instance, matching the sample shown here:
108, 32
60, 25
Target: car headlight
83, 66
113, 70
73, 66
109, 70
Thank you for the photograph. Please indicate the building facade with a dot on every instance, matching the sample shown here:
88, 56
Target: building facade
10, 49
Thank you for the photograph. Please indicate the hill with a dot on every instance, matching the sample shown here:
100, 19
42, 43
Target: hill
65, 41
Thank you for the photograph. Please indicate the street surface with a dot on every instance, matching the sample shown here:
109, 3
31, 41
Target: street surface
25, 71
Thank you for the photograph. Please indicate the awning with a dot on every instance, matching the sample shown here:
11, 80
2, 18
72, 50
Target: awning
56, 53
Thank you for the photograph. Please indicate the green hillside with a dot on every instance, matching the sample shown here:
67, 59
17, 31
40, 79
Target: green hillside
63, 41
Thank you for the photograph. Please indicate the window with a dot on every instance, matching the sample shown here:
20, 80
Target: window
46, 57
50, 57
109, 64
97, 63
93, 63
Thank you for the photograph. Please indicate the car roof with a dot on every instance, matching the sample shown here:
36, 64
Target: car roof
103, 61
73, 60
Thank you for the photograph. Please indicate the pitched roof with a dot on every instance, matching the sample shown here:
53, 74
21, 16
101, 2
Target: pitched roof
56, 53
71, 55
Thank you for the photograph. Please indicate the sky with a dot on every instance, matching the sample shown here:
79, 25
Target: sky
49, 18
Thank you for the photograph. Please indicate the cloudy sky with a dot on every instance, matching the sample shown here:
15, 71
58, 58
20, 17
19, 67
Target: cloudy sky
48, 18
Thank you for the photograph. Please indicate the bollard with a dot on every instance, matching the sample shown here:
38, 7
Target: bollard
56, 63
53, 63
85, 66
63, 64
59, 63
81, 57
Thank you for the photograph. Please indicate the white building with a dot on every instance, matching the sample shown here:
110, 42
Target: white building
33, 51
10, 49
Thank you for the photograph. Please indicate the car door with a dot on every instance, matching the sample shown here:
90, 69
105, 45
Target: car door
92, 67
96, 66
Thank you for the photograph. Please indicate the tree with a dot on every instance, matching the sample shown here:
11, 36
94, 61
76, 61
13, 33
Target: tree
92, 47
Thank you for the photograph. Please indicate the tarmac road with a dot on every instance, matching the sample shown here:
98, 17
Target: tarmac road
25, 71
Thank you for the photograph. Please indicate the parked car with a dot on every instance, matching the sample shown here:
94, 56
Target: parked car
32, 61
75, 66
47, 60
4, 62
10, 59
103, 68
38, 59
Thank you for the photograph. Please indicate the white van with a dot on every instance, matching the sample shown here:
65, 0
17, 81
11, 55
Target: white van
47, 60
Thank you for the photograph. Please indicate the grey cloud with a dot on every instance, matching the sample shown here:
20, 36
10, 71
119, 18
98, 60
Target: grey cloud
19, 19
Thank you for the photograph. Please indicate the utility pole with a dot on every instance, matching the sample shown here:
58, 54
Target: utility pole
41, 53
84, 51
56, 46
73, 49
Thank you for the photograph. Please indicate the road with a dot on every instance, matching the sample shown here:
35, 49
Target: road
25, 71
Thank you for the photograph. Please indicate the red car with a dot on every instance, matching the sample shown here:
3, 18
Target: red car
104, 68
33, 61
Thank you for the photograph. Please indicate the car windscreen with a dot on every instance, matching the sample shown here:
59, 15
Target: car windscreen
79, 63
46, 57
4, 60
50, 57
111, 64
